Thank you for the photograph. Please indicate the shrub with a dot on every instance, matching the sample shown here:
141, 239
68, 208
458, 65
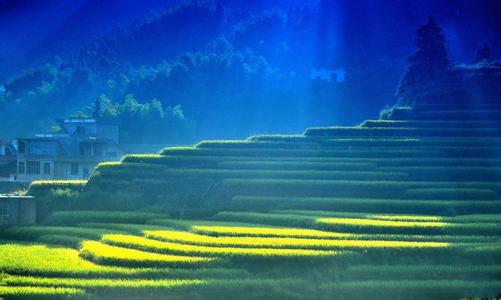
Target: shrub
41, 187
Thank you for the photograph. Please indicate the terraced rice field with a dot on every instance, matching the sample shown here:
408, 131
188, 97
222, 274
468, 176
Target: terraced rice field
403, 209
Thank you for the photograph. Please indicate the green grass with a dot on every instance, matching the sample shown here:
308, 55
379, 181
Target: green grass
40, 292
187, 174
420, 272
30, 233
451, 194
402, 132
92, 284
361, 152
75, 217
352, 188
160, 289
431, 124
264, 203
385, 210
417, 289
361, 225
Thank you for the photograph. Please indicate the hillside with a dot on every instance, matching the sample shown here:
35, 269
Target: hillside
402, 208
242, 59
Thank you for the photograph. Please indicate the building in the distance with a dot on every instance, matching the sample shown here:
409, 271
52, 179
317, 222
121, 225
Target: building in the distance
72, 153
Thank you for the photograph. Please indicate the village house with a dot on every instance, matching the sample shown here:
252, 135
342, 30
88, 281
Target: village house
72, 153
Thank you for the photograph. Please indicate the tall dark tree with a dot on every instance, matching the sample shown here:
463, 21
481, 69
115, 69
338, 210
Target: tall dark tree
428, 63
483, 54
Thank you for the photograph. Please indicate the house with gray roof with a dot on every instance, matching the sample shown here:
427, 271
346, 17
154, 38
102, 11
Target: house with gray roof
72, 153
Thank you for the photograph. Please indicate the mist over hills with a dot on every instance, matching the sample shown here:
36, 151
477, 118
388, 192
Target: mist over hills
181, 72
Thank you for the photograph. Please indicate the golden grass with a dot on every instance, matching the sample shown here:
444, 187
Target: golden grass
102, 253
273, 242
379, 223
267, 232
171, 247
98, 282
408, 218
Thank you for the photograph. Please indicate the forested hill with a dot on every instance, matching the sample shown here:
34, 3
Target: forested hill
176, 73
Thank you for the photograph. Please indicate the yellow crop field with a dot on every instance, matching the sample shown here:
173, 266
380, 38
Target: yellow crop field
408, 218
379, 223
192, 238
106, 254
186, 249
267, 232
97, 283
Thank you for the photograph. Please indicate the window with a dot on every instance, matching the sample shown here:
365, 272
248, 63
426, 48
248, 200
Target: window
33, 167
46, 168
21, 168
74, 168
21, 147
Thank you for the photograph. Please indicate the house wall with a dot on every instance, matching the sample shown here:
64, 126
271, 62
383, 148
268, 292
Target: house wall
73, 127
26, 172
35, 147
17, 210
27, 213
63, 170
98, 130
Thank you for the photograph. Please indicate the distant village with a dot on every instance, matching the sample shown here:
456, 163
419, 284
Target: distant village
72, 153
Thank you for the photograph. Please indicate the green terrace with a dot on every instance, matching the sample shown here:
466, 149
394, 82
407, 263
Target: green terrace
409, 206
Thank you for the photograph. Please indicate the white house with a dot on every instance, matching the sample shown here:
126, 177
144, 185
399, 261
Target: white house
71, 154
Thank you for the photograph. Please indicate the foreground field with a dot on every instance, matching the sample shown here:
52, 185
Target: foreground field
218, 258
391, 209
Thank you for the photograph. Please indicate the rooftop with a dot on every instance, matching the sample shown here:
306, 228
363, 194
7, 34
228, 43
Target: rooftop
14, 196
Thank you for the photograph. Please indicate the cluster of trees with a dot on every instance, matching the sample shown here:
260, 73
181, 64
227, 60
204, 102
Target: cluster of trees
430, 75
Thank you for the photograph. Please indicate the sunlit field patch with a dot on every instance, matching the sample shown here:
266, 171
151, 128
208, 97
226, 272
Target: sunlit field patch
63, 262
285, 242
379, 223
266, 232
229, 250
111, 255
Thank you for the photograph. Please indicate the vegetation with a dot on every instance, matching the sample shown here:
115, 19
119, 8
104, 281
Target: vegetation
428, 64
111, 255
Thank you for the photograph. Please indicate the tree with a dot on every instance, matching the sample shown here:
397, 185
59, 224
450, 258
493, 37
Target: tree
427, 64
483, 54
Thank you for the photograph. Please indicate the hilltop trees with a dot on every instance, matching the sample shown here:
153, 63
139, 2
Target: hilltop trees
429, 63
